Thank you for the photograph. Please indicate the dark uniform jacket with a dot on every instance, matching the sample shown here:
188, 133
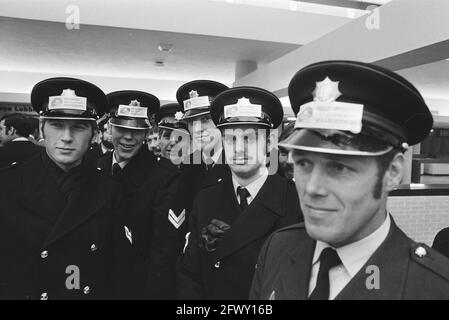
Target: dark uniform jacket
56, 226
407, 270
227, 272
152, 201
17, 151
195, 175
441, 242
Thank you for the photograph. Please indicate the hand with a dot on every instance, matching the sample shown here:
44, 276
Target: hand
213, 234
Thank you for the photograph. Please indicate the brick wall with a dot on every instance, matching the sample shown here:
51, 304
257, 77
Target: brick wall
420, 217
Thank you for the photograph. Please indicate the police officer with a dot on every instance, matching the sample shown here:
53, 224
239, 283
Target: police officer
354, 121
174, 136
104, 142
151, 187
61, 234
233, 217
14, 132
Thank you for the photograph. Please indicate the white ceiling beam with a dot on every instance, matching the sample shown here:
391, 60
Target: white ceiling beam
393, 29
193, 17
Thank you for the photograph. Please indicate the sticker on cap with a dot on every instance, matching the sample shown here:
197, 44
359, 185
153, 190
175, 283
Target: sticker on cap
197, 102
67, 100
132, 111
326, 113
243, 108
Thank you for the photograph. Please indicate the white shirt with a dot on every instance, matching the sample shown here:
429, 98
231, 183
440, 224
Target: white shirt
353, 257
121, 164
253, 188
20, 139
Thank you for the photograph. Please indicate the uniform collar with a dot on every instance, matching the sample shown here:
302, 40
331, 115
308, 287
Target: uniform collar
121, 164
355, 255
255, 186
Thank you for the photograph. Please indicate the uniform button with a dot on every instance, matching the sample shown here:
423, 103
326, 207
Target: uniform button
93, 247
44, 254
86, 290
44, 296
217, 264
420, 252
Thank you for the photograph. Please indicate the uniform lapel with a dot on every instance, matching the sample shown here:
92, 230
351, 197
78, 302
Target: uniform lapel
295, 271
391, 259
257, 220
136, 171
85, 202
40, 193
105, 163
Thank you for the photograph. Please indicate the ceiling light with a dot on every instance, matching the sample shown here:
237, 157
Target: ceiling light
165, 47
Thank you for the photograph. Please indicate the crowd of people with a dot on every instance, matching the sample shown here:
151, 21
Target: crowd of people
113, 196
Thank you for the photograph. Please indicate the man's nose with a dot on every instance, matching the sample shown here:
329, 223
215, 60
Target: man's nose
315, 182
67, 135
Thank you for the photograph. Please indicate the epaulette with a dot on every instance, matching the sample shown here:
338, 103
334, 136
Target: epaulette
297, 226
430, 259
11, 166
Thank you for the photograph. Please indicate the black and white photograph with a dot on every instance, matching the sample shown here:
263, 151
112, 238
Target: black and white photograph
224, 154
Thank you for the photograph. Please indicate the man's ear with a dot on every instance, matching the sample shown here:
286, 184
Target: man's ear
395, 172
95, 137
272, 140
11, 131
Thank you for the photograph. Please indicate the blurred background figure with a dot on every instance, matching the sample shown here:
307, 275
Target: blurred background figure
153, 141
103, 143
285, 165
174, 137
14, 132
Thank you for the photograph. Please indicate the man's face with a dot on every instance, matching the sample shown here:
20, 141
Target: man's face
154, 143
67, 141
5, 135
336, 196
174, 145
245, 149
127, 142
205, 135
285, 164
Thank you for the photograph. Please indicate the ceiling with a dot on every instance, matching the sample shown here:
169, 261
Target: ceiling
116, 45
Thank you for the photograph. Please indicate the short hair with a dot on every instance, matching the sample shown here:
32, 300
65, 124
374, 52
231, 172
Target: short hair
20, 123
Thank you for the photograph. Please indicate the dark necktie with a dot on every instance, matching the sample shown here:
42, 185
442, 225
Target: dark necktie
243, 195
116, 169
328, 259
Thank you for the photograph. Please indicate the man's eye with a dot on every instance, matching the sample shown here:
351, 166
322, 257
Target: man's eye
338, 168
303, 163
56, 125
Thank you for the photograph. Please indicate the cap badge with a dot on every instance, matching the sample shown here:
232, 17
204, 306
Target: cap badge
67, 100
196, 101
193, 94
179, 115
324, 112
326, 90
243, 108
135, 103
132, 111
